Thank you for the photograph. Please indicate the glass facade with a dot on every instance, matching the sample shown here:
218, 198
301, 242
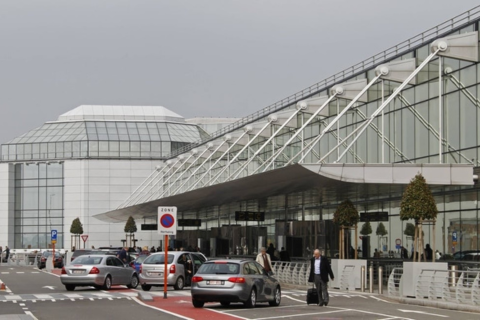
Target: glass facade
414, 128
101, 139
38, 204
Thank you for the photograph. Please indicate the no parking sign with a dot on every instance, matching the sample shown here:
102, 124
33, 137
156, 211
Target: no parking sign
167, 221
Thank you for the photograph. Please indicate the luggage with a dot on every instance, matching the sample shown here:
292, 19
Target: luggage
312, 296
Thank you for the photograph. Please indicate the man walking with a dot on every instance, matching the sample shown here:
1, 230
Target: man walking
320, 269
264, 259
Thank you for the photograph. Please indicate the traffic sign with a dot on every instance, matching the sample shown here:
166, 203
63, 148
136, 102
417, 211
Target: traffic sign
398, 243
84, 237
167, 221
454, 238
53, 236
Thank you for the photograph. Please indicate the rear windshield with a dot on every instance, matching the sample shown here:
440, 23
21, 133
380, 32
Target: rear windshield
219, 268
158, 259
140, 259
87, 260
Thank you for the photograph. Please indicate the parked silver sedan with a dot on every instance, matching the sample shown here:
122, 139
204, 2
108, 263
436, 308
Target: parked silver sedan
100, 271
227, 281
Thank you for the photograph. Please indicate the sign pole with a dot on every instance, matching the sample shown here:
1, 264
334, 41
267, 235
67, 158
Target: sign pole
165, 274
53, 260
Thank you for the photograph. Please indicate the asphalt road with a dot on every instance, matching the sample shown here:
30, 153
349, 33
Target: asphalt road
34, 294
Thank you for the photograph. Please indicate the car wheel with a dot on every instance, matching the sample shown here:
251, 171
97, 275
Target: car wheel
69, 287
277, 297
252, 300
197, 304
133, 282
108, 283
179, 284
146, 287
225, 303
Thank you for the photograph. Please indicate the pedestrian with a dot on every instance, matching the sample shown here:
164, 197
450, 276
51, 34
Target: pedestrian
284, 256
263, 258
7, 253
122, 255
152, 249
271, 249
320, 269
428, 252
93, 247
404, 252
438, 255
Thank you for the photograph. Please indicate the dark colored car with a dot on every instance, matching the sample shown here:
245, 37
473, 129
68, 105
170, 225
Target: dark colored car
43, 259
228, 281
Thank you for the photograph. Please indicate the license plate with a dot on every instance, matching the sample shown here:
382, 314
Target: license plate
77, 271
157, 274
214, 282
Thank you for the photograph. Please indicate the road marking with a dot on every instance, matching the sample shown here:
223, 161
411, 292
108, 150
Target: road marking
305, 314
31, 315
373, 297
231, 315
72, 295
102, 294
43, 296
49, 287
282, 307
5, 272
155, 308
35, 272
295, 299
21, 304
14, 297
423, 312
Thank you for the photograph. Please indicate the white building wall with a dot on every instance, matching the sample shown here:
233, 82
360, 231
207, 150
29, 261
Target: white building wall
97, 186
7, 201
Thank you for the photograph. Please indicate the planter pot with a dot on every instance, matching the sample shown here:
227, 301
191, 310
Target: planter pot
411, 271
350, 270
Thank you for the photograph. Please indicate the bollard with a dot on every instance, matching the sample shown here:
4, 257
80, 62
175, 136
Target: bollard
362, 279
380, 280
370, 288
453, 276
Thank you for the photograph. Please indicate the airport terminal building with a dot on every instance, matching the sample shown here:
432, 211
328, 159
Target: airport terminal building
276, 175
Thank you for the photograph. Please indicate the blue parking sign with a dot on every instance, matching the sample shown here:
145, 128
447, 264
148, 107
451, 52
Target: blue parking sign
53, 235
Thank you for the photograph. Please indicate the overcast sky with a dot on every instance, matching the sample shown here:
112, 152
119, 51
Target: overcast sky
216, 58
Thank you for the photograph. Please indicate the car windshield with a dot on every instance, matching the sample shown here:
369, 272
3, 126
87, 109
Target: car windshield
219, 268
141, 258
87, 260
49, 253
158, 259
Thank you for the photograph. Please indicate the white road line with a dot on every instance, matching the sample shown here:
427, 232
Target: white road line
5, 272
31, 315
378, 299
374, 313
282, 307
155, 308
305, 314
423, 312
72, 295
14, 297
21, 304
231, 315
295, 299
43, 296
20, 272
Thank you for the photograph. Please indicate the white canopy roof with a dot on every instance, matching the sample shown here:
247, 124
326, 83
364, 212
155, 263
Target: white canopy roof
98, 112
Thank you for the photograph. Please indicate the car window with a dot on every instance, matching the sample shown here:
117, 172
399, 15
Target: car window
259, 267
140, 259
110, 262
158, 259
117, 262
200, 257
87, 260
219, 268
182, 259
196, 260
253, 268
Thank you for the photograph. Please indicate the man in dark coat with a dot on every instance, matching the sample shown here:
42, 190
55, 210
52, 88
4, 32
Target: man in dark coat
320, 269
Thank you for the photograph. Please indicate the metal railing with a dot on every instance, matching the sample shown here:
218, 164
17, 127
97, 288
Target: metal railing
390, 53
456, 286
295, 273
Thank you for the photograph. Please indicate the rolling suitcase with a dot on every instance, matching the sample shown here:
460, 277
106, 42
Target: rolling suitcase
312, 295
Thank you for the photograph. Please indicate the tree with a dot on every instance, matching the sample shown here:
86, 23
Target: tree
347, 217
418, 204
366, 229
409, 230
130, 226
381, 232
76, 229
